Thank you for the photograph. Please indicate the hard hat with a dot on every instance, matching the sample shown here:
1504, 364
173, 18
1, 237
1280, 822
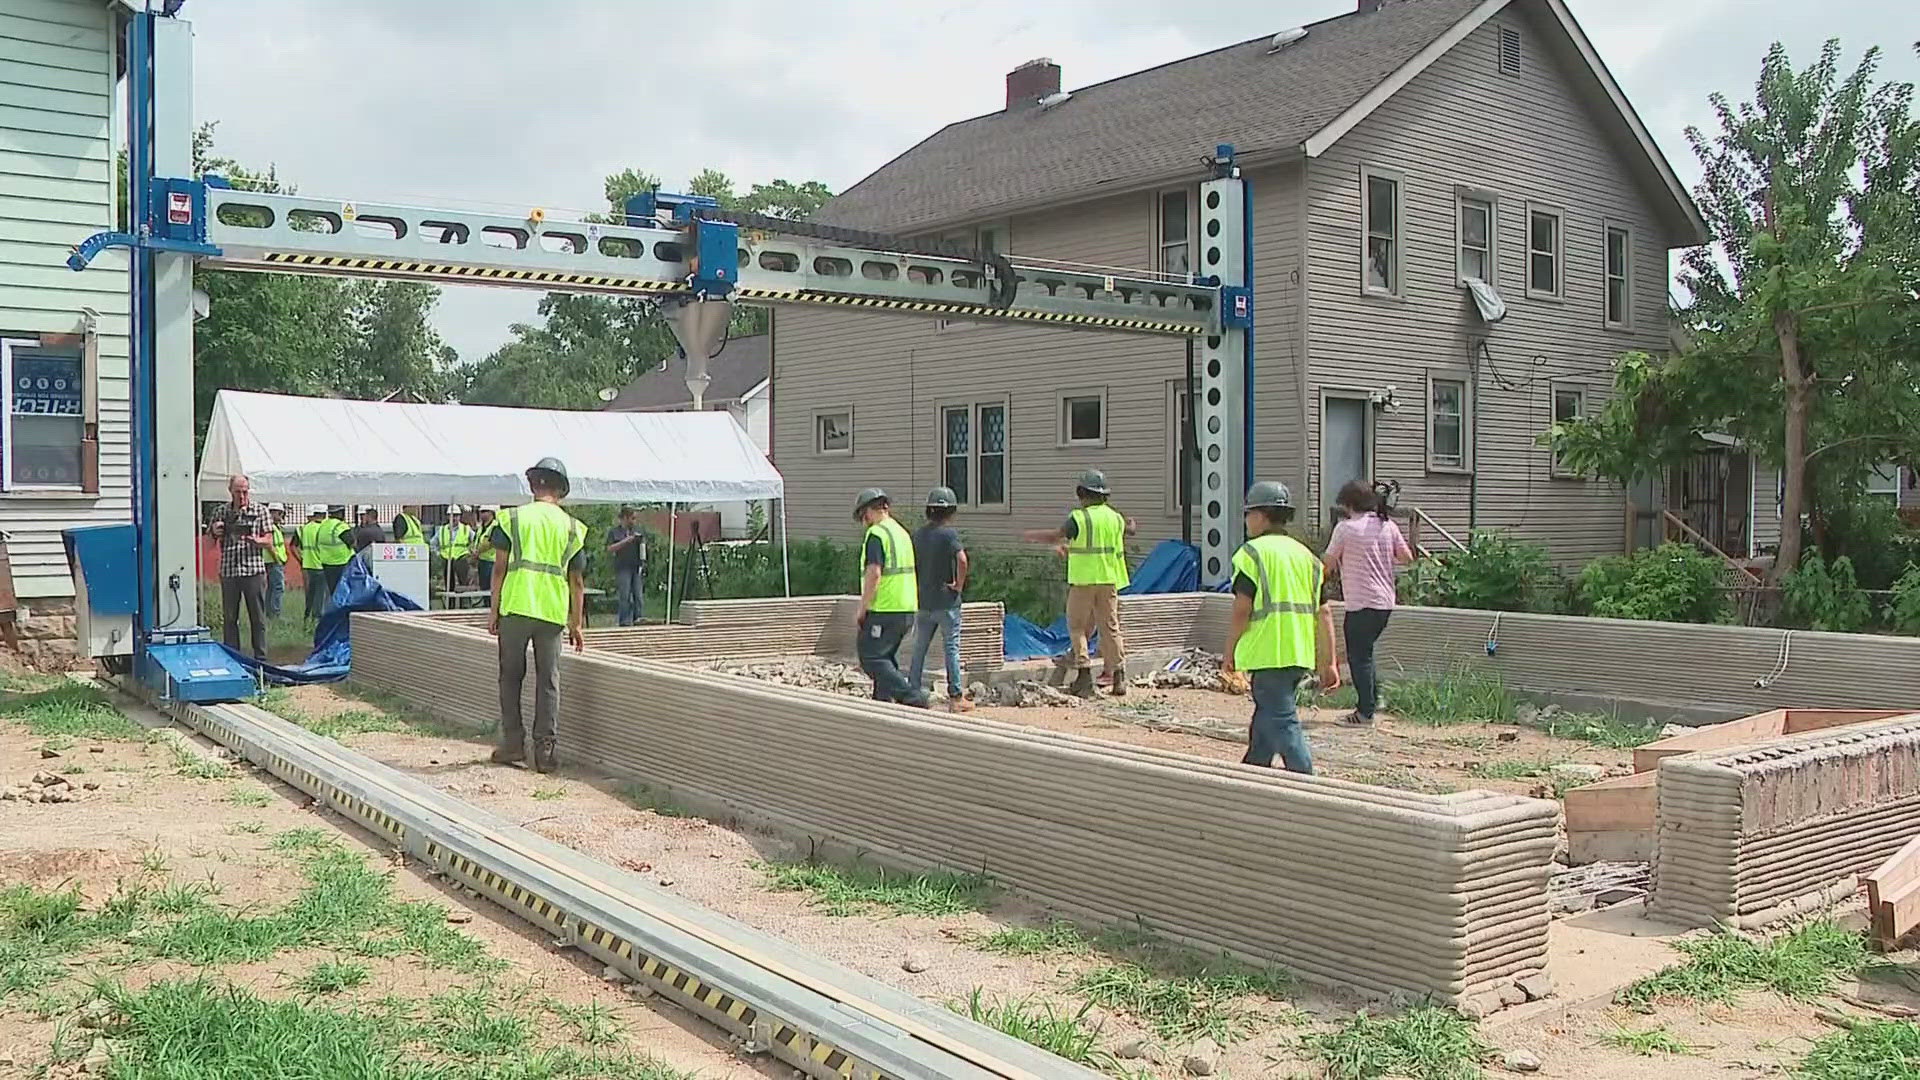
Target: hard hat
363, 508
866, 498
316, 508
1095, 481
456, 508
1269, 494
282, 507
490, 508
942, 497
553, 465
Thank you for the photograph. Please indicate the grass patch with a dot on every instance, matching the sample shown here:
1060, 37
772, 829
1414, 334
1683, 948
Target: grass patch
1429, 1042
1508, 770
1464, 696
1801, 963
548, 794
593, 1023
195, 767
67, 710
252, 827
855, 890
1045, 1025
39, 928
1055, 938
1346, 697
1646, 1043
249, 796
331, 977
1599, 729
1880, 1050
1179, 993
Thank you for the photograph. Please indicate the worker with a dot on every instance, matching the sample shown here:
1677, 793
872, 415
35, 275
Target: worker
940, 561
539, 592
309, 542
368, 532
628, 546
1280, 629
276, 556
1094, 540
456, 547
240, 526
887, 599
483, 547
406, 526
335, 553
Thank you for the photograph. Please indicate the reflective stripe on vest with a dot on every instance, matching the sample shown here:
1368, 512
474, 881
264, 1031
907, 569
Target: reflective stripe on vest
310, 545
276, 545
1097, 554
545, 539
455, 541
1286, 603
410, 531
897, 590
334, 549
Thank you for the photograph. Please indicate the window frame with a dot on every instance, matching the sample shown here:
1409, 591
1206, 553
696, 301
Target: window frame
1177, 390
1607, 229
1063, 435
1461, 197
970, 499
819, 434
1396, 282
1465, 380
963, 493
1559, 252
89, 390
1554, 390
1893, 492
1159, 222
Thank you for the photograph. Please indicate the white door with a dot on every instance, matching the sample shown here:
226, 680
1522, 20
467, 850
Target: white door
1344, 447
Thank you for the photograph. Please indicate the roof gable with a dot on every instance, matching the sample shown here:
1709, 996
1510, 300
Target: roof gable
741, 365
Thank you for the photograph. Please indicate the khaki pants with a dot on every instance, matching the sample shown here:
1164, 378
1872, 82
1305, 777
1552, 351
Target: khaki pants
1091, 608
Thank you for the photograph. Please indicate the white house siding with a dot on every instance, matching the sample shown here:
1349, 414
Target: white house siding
58, 138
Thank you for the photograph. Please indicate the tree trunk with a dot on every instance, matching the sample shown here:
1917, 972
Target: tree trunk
1794, 474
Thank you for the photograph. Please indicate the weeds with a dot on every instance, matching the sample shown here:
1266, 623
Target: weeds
1429, 1042
1066, 1034
249, 796
548, 794
1802, 963
852, 891
1647, 1043
331, 977
593, 1023
1055, 938
1179, 993
1460, 697
1880, 1050
193, 766
69, 710
1600, 729
1508, 770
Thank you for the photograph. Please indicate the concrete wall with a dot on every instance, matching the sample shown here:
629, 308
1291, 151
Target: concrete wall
1370, 888
1752, 835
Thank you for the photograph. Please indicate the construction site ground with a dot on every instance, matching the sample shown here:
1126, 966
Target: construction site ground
1133, 1005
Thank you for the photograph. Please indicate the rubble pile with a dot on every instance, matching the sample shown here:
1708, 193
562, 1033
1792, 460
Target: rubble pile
1022, 694
47, 787
810, 672
1194, 669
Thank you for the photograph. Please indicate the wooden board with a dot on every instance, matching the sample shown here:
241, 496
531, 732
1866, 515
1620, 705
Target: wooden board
1893, 895
1799, 720
1760, 726
1612, 820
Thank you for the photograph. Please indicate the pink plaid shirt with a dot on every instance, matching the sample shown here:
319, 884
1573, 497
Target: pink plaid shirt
1365, 549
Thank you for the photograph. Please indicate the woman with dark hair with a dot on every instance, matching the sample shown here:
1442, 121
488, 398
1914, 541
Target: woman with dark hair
1364, 550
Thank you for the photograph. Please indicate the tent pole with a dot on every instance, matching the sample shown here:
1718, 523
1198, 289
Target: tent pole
671, 507
786, 565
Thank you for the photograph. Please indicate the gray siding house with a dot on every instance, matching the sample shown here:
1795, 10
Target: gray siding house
63, 336
1392, 152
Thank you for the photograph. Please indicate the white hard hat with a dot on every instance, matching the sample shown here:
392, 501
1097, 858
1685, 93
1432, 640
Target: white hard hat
456, 508
491, 508
363, 508
316, 508
277, 506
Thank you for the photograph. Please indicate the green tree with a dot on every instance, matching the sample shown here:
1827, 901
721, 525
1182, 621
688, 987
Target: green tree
1801, 323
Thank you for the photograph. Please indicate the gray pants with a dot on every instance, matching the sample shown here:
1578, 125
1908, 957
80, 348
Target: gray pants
516, 633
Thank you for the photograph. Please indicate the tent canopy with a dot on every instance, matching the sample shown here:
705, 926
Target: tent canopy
302, 449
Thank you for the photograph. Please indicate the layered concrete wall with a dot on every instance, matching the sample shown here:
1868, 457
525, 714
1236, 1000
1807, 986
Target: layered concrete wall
1342, 883
1751, 835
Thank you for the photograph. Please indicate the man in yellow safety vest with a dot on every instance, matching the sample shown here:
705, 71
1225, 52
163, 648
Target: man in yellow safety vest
335, 550
276, 555
456, 547
539, 594
483, 547
1281, 630
406, 526
889, 596
307, 539
1094, 540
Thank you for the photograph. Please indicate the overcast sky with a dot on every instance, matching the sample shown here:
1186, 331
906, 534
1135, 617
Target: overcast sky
511, 104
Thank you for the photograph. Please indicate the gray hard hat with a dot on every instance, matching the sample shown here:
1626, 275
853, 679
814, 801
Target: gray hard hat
866, 498
942, 497
1095, 481
554, 466
1269, 494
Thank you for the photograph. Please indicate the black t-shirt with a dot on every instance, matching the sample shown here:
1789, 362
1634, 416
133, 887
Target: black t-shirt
876, 553
936, 559
365, 536
1244, 586
575, 565
631, 556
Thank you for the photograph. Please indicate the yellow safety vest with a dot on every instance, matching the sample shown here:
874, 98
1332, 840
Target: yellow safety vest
310, 545
1286, 603
410, 532
1097, 555
897, 590
483, 541
334, 549
545, 539
455, 540
276, 545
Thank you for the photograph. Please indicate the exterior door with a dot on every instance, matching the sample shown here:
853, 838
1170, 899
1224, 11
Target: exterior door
1345, 448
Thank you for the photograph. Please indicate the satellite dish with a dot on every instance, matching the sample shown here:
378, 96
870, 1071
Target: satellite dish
608, 393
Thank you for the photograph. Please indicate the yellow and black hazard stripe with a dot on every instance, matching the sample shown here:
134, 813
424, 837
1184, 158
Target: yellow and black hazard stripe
466, 272
967, 311
367, 814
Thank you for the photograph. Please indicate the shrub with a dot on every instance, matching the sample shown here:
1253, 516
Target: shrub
1904, 611
1819, 596
1670, 583
1870, 533
1495, 572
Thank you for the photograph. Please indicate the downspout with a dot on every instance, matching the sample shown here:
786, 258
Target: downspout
1473, 438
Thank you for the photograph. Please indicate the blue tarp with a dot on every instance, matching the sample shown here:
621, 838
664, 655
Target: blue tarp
1171, 567
332, 654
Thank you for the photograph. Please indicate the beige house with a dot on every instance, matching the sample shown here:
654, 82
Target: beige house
1393, 153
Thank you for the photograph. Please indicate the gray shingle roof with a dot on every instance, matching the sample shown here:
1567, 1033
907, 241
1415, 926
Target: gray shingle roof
1145, 126
740, 367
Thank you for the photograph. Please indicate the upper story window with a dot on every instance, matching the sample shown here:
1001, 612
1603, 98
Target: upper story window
1083, 417
833, 431
1173, 226
1544, 270
1619, 276
1380, 206
1476, 238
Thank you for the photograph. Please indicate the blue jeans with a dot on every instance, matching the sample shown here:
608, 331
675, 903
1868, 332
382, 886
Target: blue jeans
1362, 630
947, 621
1276, 720
276, 587
626, 593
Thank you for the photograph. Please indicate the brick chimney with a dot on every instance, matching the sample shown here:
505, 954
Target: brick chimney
1030, 82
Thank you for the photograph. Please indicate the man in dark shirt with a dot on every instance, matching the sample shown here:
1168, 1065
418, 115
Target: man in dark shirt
628, 546
940, 567
368, 532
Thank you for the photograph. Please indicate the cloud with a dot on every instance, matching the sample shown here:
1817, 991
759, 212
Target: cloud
503, 104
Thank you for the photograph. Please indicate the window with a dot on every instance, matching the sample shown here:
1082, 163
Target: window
833, 432
993, 454
1175, 255
1381, 208
1083, 418
1183, 469
1476, 238
1569, 404
43, 430
1509, 51
1543, 252
1619, 276
956, 424
1883, 482
1447, 424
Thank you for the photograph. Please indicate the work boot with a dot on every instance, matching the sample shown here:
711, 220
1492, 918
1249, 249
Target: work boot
507, 755
545, 760
1083, 683
1119, 687
960, 705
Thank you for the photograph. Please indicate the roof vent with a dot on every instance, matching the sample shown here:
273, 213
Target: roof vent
1285, 38
1058, 97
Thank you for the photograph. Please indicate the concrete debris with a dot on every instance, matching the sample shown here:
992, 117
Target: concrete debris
1521, 1061
1027, 694
46, 753
1596, 885
457, 916
913, 965
1133, 1050
1511, 994
810, 672
1478, 1006
1570, 772
1194, 669
1536, 985
1671, 730
614, 975
1201, 1059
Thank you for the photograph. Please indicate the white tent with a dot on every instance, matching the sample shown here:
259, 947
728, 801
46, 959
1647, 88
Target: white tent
301, 449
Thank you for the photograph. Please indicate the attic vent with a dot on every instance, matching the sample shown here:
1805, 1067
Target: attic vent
1509, 51
1285, 38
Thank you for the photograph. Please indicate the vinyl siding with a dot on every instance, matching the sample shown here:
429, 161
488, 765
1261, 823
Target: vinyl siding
1530, 139
57, 146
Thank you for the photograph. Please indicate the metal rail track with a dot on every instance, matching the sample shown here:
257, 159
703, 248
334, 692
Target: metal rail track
814, 1015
